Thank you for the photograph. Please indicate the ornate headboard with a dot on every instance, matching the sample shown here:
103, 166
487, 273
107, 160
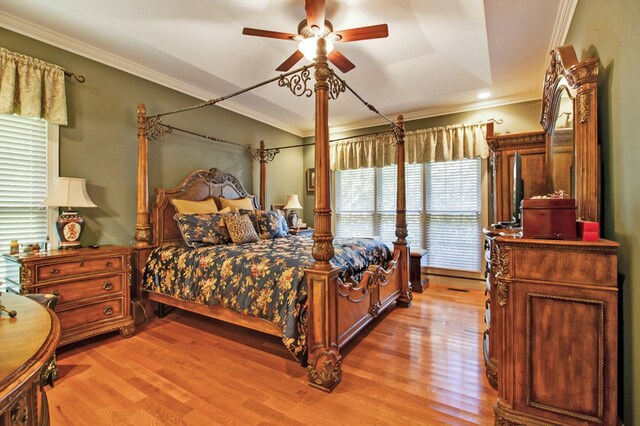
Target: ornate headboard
199, 185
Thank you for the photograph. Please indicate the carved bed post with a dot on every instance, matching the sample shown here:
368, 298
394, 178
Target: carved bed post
324, 360
263, 176
401, 244
143, 224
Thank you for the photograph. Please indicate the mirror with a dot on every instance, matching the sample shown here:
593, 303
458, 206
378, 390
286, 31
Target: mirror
562, 147
569, 119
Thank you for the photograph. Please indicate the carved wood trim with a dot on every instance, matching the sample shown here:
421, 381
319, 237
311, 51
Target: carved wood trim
529, 374
374, 276
516, 141
552, 245
564, 66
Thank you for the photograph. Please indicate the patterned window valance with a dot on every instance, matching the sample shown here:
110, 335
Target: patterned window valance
31, 88
455, 142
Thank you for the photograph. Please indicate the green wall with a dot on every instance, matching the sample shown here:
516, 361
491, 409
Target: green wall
99, 144
518, 117
610, 31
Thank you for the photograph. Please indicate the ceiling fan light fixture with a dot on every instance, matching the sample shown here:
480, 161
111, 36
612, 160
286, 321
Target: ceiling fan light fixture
308, 47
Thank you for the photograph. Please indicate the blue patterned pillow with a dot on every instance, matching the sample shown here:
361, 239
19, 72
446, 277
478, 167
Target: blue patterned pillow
269, 225
200, 229
285, 225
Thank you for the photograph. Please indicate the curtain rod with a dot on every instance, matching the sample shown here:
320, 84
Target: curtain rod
490, 120
79, 78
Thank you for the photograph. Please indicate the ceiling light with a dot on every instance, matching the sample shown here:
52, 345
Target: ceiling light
308, 47
484, 95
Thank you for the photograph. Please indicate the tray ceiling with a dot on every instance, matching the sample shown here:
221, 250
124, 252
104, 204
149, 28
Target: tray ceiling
440, 54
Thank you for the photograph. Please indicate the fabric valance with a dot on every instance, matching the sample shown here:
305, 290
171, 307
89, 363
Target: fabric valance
32, 88
455, 142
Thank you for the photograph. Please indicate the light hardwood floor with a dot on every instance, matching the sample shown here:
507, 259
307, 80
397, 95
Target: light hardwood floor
421, 365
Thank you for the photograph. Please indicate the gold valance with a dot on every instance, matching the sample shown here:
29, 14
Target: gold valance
32, 88
455, 142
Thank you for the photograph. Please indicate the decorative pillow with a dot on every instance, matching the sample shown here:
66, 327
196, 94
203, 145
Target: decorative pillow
195, 207
283, 221
269, 225
200, 229
253, 215
235, 205
240, 228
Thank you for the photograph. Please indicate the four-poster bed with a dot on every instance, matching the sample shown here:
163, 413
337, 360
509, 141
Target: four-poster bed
338, 307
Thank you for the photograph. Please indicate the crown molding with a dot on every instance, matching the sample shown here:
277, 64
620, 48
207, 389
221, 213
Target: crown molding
37, 32
435, 112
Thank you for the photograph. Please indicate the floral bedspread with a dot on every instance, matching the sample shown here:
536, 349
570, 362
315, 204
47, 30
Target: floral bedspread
263, 279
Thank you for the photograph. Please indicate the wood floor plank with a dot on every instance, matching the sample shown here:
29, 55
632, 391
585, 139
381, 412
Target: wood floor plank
417, 366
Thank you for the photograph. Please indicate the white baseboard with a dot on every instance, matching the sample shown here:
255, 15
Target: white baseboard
456, 282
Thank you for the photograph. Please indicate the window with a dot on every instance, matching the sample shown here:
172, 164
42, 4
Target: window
443, 209
28, 158
453, 215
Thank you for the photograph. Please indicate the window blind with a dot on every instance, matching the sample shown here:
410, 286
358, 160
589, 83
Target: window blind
23, 181
355, 204
453, 215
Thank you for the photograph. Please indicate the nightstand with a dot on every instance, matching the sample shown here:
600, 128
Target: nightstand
301, 231
92, 285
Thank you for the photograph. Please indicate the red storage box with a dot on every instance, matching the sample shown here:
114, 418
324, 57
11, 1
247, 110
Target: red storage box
551, 218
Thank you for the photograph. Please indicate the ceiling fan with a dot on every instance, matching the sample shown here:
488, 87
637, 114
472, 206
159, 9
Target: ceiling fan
314, 27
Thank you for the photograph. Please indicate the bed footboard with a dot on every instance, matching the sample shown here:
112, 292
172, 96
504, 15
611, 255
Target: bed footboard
360, 302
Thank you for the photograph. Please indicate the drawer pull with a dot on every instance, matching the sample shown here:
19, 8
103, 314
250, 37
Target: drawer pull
81, 264
108, 310
53, 271
55, 293
108, 264
107, 286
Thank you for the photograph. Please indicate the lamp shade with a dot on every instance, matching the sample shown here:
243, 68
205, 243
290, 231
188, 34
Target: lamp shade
292, 202
68, 192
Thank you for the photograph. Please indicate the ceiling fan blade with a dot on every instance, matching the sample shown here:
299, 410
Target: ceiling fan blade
291, 61
362, 33
340, 61
270, 34
315, 13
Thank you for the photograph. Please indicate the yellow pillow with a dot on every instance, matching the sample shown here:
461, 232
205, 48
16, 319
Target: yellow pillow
239, 204
195, 207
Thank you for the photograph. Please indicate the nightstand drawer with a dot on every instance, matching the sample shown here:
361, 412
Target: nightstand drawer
74, 291
94, 313
67, 269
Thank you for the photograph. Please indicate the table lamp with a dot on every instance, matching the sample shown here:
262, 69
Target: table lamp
69, 192
292, 205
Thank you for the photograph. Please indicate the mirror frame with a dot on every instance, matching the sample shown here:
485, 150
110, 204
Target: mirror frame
580, 81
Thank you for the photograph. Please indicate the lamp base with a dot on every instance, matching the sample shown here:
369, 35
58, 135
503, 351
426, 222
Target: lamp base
69, 226
292, 219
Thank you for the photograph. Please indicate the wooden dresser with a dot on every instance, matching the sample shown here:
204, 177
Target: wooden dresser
553, 333
490, 348
28, 343
92, 285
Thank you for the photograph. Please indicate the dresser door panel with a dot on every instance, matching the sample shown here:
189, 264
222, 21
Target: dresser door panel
565, 350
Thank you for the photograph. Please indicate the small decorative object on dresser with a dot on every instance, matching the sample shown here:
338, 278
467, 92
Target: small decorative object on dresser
69, 192
292, 205
92, 285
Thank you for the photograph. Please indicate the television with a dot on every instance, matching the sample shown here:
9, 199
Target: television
518, 189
